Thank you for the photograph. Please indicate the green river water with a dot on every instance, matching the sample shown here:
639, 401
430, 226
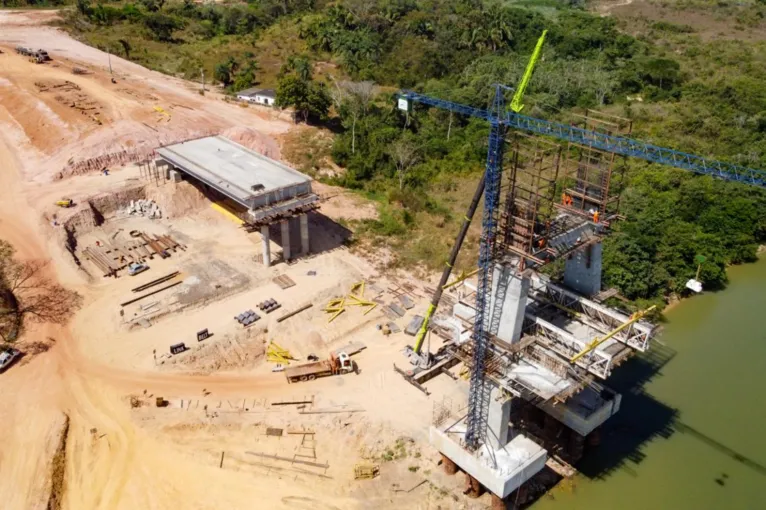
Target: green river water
691, 434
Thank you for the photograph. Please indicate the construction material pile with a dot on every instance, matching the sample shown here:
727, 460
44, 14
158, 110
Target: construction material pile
355, 297
141, 207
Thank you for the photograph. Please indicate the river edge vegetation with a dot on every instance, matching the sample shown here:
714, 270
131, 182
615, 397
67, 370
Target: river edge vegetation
682, 90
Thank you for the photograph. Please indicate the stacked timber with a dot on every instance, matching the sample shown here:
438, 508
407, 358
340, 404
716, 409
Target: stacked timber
110, 257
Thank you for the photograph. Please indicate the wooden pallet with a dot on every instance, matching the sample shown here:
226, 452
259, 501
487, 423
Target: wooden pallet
284, 281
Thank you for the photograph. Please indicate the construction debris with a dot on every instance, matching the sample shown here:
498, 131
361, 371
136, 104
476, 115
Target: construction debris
139, 298
366, 471
159, 280
298, 310
141, 207
355, 297
247, 318
284, 281
274, 432
113, 256
407, 303
287, 459
398, 310
414, 325
269, 305
294, 403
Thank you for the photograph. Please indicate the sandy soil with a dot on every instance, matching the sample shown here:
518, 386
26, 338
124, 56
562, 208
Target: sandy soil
122, 452
59, 121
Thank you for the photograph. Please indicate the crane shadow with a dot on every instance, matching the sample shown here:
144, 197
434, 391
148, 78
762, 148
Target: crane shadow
641, 419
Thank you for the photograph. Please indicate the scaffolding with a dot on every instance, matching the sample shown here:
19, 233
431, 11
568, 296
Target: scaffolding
593, 178
530, 189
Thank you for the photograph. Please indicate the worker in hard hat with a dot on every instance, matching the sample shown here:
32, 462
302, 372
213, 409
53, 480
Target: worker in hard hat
595, 217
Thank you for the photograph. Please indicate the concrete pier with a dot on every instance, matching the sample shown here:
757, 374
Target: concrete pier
304, 220
582, 272
285, 224
266, 245
498, 419
513, 290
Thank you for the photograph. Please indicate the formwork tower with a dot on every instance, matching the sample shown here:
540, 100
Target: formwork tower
593, 178
530, 188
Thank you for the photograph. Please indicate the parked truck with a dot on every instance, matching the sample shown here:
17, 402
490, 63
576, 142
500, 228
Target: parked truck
38, 56
339, 363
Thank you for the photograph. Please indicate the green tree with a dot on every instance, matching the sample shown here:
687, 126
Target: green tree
246, 77
83, 7
224, 72
153, 5
307, 97
162, 26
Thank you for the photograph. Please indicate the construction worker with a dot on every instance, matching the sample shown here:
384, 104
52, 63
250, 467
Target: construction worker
541, 243
569, 200
595, 217
564, 198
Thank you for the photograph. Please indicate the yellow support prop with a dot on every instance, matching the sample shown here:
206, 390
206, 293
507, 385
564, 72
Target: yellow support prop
598, 341
357, 286
335, 315
374, 305
359, 301
463, 276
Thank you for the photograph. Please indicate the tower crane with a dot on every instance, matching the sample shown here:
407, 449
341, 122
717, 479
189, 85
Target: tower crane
501, 119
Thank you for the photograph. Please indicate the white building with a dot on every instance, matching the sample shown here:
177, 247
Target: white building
266, 97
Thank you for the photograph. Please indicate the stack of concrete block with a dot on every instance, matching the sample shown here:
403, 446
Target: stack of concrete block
141, 207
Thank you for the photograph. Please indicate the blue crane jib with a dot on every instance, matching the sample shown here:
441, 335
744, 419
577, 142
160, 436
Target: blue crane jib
609, 143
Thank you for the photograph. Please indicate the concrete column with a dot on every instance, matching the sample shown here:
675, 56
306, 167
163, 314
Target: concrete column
582, 272
285, 224
498, 419
512, 291
304, 233
266, 245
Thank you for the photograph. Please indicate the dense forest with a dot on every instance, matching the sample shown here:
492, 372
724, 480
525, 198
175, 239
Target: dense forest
340, 63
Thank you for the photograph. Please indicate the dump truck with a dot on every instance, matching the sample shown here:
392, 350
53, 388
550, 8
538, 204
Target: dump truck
339, 363
65, 202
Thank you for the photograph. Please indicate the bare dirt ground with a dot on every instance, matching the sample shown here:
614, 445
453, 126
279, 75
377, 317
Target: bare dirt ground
104, 370
71, 120
638, 15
